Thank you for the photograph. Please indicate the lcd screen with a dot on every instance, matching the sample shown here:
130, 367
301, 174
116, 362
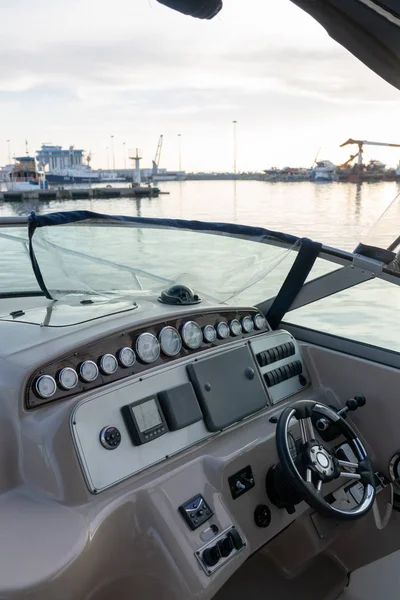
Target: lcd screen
146, 415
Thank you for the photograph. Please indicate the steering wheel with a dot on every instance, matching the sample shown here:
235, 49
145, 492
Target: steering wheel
302, 478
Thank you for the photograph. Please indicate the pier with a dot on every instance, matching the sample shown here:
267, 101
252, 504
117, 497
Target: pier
75, 193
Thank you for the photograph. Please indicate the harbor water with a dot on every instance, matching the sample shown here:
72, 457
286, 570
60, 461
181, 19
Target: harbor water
337, 214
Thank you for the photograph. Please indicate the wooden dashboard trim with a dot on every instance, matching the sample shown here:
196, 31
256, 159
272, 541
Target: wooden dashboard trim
113, 342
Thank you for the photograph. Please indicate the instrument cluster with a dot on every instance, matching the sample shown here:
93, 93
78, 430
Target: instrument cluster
130, 352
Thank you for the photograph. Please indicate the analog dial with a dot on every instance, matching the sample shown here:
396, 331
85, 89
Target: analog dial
126, 357
235, 327
259, 321
170, 341
68, 378
108, 364
209, 333
88, 371
147, 347
192, 335
45, 386
247, 324
223, 330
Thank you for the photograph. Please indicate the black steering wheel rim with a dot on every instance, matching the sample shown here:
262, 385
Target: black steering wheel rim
302, 410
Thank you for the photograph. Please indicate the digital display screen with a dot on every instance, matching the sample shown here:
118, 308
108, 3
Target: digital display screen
146, 415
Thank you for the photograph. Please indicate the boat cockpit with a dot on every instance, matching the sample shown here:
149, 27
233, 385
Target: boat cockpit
167, 432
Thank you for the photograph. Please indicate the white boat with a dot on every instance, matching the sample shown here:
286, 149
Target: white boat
201, 411
324, 170
24, 176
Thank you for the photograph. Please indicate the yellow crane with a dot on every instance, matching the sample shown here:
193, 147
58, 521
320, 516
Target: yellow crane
361, 144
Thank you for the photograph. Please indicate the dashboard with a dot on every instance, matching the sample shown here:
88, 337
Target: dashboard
162, 445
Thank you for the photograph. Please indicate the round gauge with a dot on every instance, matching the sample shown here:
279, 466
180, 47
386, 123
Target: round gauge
235, 327
259, 321
108, 364
68, 378
192, 335
88, 371
209, 333
126, 357
147, 347
247, 324
170, 341
45, 386
223, 329
292, 446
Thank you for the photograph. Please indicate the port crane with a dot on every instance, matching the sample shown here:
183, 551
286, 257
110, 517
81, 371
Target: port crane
361, 144
157, 158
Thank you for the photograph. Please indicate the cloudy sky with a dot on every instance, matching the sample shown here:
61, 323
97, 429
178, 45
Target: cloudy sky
75, 72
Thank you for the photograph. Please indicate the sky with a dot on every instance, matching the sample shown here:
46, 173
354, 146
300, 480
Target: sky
76, 72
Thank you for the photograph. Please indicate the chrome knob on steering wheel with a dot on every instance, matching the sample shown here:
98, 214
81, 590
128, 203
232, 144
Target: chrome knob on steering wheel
301, 478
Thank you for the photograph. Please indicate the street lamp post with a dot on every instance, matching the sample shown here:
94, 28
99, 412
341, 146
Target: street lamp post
108, 158
234, 146
180, 152
112, 151
124, 145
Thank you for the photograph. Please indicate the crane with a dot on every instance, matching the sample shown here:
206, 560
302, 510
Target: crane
361, 144
157, 158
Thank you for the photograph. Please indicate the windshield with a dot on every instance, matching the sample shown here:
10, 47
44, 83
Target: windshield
115, 259
17, 276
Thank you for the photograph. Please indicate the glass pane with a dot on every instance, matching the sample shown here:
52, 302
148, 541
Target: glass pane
368, 312
113, 260
15, 265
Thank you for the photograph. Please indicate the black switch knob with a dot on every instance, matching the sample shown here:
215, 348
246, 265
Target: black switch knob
236, 539
211, 555
352, 404
361, 400
225, 546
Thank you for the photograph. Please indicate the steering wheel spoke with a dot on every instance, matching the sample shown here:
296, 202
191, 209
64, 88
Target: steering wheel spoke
348, 475
306, 430
348, 464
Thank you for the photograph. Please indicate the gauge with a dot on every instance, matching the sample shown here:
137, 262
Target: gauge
192, 335
68, 378
108, 364
209, 333
292, 446
223, 330
126, 357
45, 386
247, 324
235, 327
88, 371
170, 341
147, 347
259, 321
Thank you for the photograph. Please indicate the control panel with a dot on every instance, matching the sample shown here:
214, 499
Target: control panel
195, 511
219, 550
241, 482
281, 365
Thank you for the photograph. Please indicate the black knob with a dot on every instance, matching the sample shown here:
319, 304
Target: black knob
225, 546
236, 539
361, 400
262, 515
352, 404
211, 555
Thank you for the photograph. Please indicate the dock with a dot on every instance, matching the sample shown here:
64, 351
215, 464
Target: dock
83, 193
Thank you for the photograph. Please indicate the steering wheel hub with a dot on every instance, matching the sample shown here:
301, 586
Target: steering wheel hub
319, 460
